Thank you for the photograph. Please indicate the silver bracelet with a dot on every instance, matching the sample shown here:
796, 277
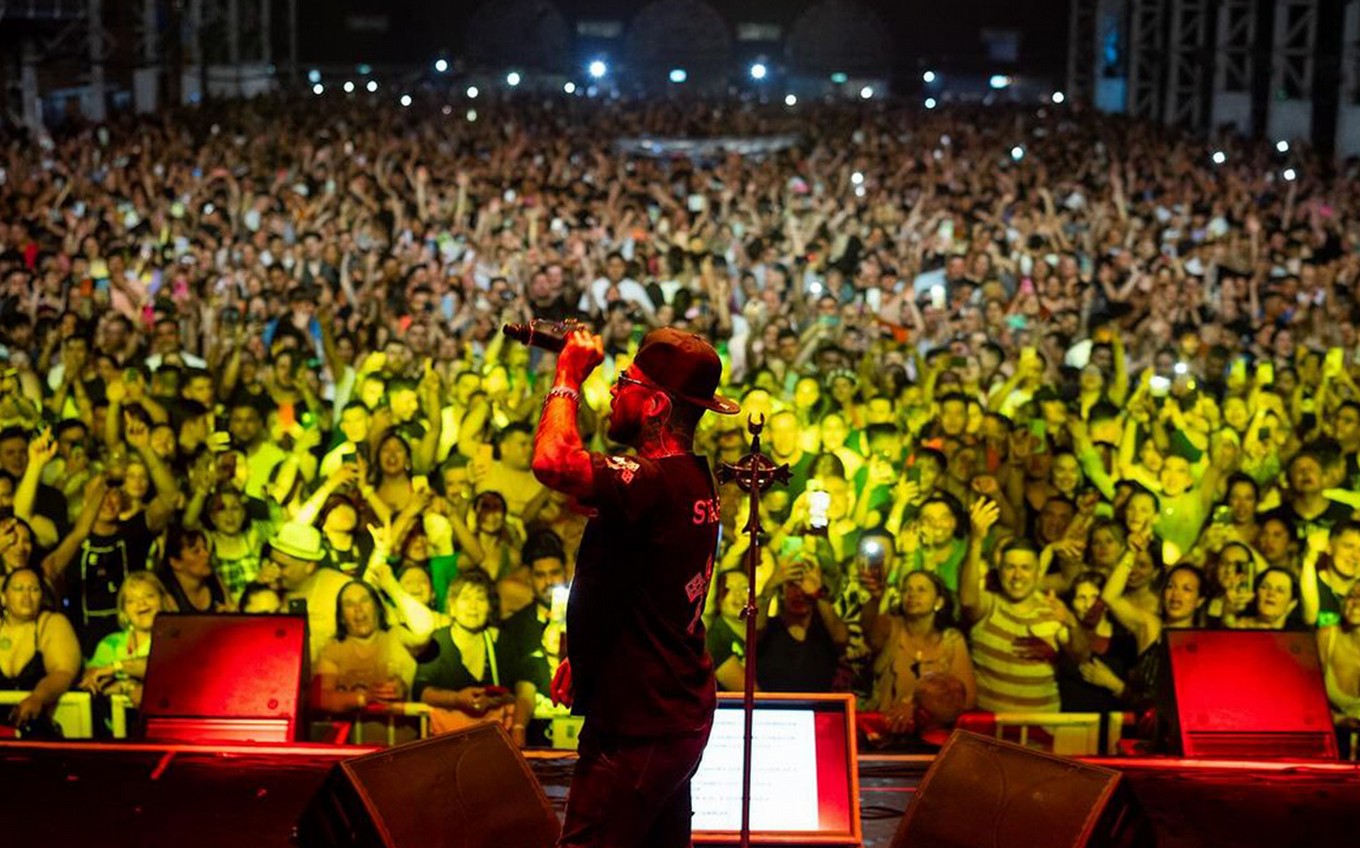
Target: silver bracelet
562, 392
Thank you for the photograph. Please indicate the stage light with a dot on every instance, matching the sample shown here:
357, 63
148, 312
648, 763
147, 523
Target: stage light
472, 114
441, 65
759, 71
928, 77
372, 86
859, 191
678, 75
840, 77
512, 79
857, 178
1059, 97
999, 81
866, 93
472, 92
1017, 153
1282, 146
931, 103
406, 100
318, 89
349, 87
597, 69
1219, 157
364, 70
1290, 175
790, 100
569, 87
313, 75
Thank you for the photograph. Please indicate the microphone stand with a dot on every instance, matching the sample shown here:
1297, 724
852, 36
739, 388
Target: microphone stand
753, 473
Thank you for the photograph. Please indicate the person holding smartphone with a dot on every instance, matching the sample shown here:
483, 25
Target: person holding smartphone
911, 639
636, 665
800, 635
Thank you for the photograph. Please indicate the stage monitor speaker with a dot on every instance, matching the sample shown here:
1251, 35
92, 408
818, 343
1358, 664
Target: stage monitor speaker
225, 678
984, 793
1245, 693
469, 789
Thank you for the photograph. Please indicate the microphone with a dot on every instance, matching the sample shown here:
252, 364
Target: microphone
544, 335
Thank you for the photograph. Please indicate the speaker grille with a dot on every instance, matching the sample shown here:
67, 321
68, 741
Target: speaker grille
983, 793
469, 789
1199, 743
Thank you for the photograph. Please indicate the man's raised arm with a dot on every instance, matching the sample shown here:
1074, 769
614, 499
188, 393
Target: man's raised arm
561, 461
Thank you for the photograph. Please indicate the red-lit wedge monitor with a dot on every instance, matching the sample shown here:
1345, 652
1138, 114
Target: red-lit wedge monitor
804, 784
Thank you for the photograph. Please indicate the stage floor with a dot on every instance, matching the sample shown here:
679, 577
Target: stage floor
69, 795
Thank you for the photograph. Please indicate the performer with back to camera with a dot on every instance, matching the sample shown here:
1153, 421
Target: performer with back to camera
636, 665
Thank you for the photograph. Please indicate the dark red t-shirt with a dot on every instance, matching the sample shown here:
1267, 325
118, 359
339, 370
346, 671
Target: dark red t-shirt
635, 635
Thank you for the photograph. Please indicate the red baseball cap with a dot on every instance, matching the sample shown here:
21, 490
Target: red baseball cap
686, 366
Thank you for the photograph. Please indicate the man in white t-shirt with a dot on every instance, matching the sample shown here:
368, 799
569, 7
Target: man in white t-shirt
616, 280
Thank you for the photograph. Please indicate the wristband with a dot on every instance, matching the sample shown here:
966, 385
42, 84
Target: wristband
562, 392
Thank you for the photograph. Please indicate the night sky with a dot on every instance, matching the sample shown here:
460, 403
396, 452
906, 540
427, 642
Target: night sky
943, 34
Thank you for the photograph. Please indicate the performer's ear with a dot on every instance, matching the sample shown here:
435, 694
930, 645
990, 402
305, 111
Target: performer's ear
659, 407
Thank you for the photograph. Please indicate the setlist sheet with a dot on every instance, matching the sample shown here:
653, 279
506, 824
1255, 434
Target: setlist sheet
784, 795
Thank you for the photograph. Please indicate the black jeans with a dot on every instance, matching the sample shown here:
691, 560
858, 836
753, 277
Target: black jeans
632, 791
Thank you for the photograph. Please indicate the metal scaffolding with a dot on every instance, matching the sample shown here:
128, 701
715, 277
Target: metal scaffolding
1146, 57
1187, 63
50, 30
95, 105
1234, 63
1292, 69
1083, 52
1295, 33
1348, 118
234, 50
146, 78
179, 51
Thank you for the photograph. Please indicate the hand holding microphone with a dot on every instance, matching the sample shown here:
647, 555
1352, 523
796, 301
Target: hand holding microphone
580, 355
544, 335
579, 350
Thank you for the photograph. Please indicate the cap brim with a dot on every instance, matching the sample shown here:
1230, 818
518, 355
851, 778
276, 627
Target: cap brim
718, 404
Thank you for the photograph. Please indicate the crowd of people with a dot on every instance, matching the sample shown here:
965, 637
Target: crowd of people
1048, 382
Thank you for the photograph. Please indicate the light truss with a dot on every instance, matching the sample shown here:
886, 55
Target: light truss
1187, 63
1147, 53
1295, 34
1082, 50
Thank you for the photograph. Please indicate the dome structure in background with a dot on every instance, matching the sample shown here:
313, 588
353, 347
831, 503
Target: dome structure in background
688, 34
840, 36
520, 33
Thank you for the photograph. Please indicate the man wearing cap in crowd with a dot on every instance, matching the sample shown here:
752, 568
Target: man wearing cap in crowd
294, 564
636, 664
